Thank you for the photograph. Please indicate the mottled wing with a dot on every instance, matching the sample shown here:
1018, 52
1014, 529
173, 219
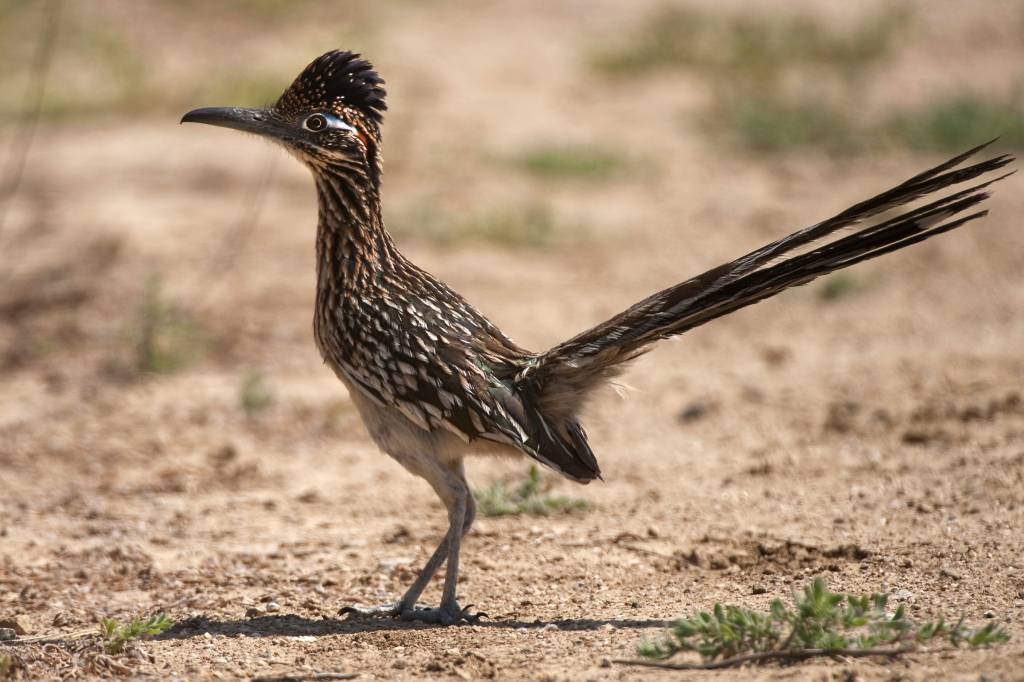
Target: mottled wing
454, 371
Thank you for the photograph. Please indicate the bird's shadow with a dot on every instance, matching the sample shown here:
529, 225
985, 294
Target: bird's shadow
298, 626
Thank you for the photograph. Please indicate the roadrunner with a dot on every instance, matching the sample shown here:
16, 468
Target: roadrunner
435, 381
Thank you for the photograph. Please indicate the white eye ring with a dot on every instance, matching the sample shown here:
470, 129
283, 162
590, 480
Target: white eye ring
320, 122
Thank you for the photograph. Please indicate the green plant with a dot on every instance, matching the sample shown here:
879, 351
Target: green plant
751, 44
843, 285
569, 162
167, 339
116, 636
768, 124
530, 226
525, 498
254, 394
958, 122
820, 623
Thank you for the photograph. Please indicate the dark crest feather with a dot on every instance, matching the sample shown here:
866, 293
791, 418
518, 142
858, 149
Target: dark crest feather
336, 80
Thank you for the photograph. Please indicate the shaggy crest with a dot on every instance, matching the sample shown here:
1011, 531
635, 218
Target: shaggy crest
336, 81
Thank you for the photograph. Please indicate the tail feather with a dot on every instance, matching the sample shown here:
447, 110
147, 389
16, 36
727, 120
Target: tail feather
560, 379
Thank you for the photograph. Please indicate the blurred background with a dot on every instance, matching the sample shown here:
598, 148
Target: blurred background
552, 161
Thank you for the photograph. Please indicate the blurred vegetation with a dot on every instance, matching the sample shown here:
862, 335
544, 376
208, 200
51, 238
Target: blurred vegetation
255, 394
958, 122
530, 226
167, 339
749, 45
104, 65
844, 285
772, 125
787, 83
555, 162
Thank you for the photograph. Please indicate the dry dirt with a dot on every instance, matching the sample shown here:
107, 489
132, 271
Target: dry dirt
876, 440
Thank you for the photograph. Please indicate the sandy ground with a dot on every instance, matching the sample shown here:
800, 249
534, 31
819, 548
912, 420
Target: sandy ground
876, 440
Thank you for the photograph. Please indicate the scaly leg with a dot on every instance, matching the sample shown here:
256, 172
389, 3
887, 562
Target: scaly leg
453, 490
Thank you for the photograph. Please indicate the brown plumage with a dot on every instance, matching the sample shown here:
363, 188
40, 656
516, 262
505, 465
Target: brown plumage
435, 381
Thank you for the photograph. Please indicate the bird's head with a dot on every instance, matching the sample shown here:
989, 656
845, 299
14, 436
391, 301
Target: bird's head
329, 117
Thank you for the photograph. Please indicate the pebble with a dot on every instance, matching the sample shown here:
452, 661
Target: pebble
253, 612
19, 624
606, 662
549, 627
758, 589
990, 614
902, 595
7, 634
272, 606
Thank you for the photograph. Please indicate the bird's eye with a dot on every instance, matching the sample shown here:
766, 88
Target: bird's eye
316, 123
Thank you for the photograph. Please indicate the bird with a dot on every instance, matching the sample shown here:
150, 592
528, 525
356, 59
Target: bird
435, 381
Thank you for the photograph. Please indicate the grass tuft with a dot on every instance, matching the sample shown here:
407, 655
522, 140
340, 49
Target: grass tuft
958, 122
167, 338
569, 162
527, 498
771, 125
255, 395
530, 227
116, 636
843, 285
820, 623
682, 37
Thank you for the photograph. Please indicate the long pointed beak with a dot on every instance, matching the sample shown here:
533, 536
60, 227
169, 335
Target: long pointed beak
247, 120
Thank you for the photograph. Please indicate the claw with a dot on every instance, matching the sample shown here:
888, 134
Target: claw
391, 610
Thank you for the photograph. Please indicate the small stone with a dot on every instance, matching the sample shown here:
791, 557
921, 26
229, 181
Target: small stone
989, 614
902, 595
607, 627
693, 412
758, 589
606, 662
7, 634
272, 606
549, 627
253, 612
950, 573
452, 652
19, 624
207, 635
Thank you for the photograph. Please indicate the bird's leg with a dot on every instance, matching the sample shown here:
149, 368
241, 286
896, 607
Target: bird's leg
453, 490
408, 601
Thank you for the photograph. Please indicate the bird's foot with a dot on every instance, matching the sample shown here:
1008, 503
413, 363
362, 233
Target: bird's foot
385, 611
447, 614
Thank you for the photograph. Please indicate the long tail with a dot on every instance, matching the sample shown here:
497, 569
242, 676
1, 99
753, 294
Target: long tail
561, 378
